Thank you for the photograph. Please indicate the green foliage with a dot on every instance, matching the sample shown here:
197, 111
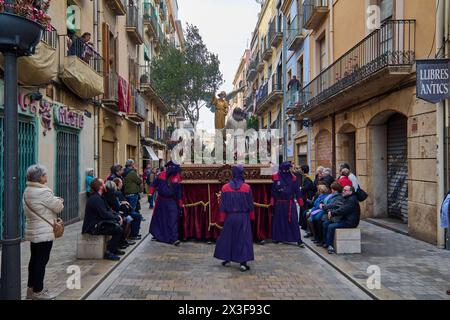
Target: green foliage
252, 123
187, 79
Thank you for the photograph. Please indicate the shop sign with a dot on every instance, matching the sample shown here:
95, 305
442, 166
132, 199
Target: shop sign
433, 80
66, 118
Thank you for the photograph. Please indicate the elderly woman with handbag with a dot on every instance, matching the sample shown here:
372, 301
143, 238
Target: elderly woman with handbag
42, 228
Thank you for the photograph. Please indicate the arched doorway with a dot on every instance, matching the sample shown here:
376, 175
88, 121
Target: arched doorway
389, 163
324, 153
346, 146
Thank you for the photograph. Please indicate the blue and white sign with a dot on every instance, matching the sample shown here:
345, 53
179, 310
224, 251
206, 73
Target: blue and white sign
433, 80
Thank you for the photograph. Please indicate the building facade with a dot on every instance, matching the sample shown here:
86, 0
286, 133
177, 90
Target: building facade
84, 101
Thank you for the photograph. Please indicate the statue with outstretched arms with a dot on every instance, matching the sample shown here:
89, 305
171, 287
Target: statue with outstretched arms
221, 107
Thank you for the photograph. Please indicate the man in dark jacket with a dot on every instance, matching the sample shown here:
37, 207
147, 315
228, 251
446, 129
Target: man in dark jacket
132, 190
100, 220
349, 212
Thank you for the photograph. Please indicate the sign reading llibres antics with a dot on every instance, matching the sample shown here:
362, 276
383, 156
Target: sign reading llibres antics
66, 118
433, 80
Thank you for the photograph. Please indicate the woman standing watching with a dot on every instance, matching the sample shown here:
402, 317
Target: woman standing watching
39, 203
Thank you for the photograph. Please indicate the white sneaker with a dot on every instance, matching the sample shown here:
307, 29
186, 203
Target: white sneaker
43, 295
29, 293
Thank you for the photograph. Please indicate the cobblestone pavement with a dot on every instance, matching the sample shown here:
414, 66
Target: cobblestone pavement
410, 269
63, 255
160, 271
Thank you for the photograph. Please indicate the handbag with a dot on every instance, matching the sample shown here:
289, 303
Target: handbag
57, 225
361, 195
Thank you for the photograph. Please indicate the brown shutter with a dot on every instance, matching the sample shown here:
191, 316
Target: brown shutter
105, 49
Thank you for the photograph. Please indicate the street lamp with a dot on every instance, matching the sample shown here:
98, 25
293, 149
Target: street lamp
18, 37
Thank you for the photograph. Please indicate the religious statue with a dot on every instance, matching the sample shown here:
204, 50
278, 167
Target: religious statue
221, 107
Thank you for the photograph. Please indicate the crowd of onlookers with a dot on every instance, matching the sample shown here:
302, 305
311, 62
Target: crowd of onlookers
113, 207
329, 203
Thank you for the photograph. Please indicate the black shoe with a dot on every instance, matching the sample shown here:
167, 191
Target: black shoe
226, 263
301, 244
276, 242
331, 250
154, 239
139, 237
143, 219
244, 267
130, 243
123, 247
177, 243
308, 235
111, 256
262, 242
324, 246
119, 252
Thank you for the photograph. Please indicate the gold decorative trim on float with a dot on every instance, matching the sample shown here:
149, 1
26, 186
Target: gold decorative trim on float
191, 205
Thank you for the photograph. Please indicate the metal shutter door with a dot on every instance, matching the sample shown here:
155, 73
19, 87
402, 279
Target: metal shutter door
108, 158
397, 179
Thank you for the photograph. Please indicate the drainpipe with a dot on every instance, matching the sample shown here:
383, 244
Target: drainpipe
331, 31
440, 124
446, 106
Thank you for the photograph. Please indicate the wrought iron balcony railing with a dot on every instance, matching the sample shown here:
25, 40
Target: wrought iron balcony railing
393, 45
150, 18
313, 12
262, 92
275, 33
295, 33
135, 26
76, 46
50, 37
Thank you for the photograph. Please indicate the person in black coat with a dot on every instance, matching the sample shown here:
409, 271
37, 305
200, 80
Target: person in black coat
349, 212
307, 188
327, 177
99, 219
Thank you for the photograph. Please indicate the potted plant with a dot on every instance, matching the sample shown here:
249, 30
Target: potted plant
26, 20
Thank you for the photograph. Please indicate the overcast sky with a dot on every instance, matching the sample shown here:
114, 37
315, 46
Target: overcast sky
226, 27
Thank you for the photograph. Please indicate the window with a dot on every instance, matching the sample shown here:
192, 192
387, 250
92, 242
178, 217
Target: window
289, 132
300, 70
323, 54
387, 8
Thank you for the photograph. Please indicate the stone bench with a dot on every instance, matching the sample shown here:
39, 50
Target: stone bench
347, 241
91, 247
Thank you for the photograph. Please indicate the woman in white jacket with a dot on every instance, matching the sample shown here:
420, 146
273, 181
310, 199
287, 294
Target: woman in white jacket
38, 203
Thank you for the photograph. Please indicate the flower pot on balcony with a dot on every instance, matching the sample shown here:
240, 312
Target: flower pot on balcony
18, 34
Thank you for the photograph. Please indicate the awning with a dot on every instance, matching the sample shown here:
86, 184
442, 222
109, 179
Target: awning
151, 153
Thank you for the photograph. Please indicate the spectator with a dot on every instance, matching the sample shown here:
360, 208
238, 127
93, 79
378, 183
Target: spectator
327, 177
351, 176
132, 189
349, 212
319, 174
344, 180
41, 209
294, 82
149, 182
116, 203
88, 47
100, 220
307, 190
89, 178
116, 172
332, 201
315, 213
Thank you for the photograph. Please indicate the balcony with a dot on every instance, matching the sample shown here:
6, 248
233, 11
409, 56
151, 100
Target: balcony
293, 97
275, 33
117, 6
296, 35
159, 38
314, 11
42, 67
148, 90
111, 95
150, 19
266, 50
135, 26
251, 72
259, 63
82, 68
274, 94
248, 103
380, 62
139, 112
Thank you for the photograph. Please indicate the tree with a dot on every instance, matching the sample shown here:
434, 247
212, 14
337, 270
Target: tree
187, 79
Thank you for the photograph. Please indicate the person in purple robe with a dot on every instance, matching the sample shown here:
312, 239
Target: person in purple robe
235, 243
164, 224
285, 190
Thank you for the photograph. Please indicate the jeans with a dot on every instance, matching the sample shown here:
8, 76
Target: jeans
137, 217
150, 200
329, 228
40, 254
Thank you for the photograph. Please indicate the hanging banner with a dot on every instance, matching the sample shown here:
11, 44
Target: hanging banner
433, 80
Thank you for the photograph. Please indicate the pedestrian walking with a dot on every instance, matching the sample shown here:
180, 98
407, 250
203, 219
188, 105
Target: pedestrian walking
151, 176
41, 209
235, 243
168, 206
132, 190
285, 190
